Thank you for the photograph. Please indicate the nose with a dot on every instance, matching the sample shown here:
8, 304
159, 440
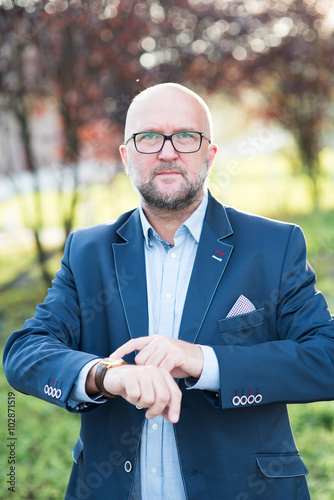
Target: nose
168, 152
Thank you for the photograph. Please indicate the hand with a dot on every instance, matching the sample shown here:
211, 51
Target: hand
148, 387
180, 358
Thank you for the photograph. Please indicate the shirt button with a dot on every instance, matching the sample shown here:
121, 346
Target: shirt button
173, 255
153, 470
168, 295
154, 426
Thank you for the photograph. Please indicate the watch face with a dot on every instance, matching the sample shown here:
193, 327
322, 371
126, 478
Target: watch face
110, 363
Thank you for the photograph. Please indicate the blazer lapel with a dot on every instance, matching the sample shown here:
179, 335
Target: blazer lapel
131, 275
211, 260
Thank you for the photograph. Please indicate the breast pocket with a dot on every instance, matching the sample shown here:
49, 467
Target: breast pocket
245, 329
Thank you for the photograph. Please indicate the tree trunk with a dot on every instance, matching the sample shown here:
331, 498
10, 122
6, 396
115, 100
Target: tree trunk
37, 224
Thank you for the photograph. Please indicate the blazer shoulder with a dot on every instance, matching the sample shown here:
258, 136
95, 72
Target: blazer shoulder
261, 234
246, 221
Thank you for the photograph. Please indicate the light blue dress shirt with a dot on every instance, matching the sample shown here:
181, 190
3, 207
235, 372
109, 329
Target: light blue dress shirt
168, 271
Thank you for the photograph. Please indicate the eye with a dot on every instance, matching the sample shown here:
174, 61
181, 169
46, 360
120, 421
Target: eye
184, 135
148, 136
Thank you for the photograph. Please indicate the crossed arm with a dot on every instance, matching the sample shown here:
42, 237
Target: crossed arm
150, 382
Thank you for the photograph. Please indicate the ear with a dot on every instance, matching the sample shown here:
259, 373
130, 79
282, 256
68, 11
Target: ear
124, 155
212, 154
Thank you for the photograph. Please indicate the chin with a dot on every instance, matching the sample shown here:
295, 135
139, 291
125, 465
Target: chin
170, 201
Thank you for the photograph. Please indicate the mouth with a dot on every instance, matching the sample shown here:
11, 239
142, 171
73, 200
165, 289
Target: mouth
169, 172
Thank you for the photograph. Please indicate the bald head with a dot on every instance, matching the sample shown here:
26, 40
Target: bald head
166, 107
169, 181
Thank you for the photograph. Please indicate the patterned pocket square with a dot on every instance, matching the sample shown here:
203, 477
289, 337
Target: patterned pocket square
242, 306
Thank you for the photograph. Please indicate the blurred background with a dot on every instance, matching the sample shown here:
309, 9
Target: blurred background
68, 71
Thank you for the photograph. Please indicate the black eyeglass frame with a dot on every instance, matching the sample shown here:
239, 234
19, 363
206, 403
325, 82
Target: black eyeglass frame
168, 138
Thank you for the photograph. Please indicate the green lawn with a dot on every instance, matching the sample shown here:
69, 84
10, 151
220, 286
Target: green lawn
46, 434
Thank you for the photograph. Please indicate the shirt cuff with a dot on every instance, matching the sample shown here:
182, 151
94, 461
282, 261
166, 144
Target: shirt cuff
209, 379
78, 394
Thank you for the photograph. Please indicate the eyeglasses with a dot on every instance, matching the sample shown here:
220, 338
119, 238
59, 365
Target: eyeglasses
186, 141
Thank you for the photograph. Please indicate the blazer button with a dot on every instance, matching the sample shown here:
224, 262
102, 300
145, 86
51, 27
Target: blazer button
243, 400
236, 400
258, 398
128, 466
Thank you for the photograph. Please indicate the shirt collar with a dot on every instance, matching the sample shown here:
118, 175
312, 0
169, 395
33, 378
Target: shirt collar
194, 223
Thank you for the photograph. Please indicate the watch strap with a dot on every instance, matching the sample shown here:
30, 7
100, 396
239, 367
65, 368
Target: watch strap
101, 370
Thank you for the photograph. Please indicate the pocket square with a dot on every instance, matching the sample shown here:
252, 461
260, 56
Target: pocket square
242, 306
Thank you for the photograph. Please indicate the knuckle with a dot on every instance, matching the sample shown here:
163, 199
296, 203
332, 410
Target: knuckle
148, 400
138, 357
158, 372
164, 399
133, 393
162, 371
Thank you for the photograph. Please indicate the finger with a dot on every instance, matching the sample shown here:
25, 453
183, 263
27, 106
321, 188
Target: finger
151, 355
172, 410
174, 406
168, 399
131, 391
170, 415
161, 393
136, 385
163, 352
160, 351
169, 363
130, 346
141, 393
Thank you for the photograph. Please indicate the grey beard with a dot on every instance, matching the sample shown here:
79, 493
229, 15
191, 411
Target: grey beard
171, 201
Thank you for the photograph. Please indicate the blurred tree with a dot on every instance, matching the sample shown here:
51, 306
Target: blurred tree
294, 70
284, 49
72, 53
18, 91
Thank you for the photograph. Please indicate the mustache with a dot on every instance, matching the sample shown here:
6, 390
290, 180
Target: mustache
166, 167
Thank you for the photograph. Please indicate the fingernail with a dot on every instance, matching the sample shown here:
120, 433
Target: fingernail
174, 417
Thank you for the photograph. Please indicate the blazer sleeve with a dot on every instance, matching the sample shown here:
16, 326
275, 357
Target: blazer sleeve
43, 359
299, 366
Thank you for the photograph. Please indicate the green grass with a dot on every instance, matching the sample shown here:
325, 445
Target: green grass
267, 187
45, 437
313, 426
46, 433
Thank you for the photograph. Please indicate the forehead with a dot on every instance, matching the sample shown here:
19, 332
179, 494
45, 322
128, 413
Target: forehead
166, 110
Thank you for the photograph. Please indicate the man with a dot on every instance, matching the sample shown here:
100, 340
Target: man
215, 314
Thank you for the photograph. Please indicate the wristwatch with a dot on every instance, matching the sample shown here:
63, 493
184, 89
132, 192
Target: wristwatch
101, 371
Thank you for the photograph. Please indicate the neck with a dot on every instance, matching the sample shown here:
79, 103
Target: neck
166, 222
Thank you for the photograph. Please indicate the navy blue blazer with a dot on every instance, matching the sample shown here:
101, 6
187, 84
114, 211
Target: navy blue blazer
230, 445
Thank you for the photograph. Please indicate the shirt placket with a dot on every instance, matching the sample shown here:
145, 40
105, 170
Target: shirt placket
168, 294
155, 431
